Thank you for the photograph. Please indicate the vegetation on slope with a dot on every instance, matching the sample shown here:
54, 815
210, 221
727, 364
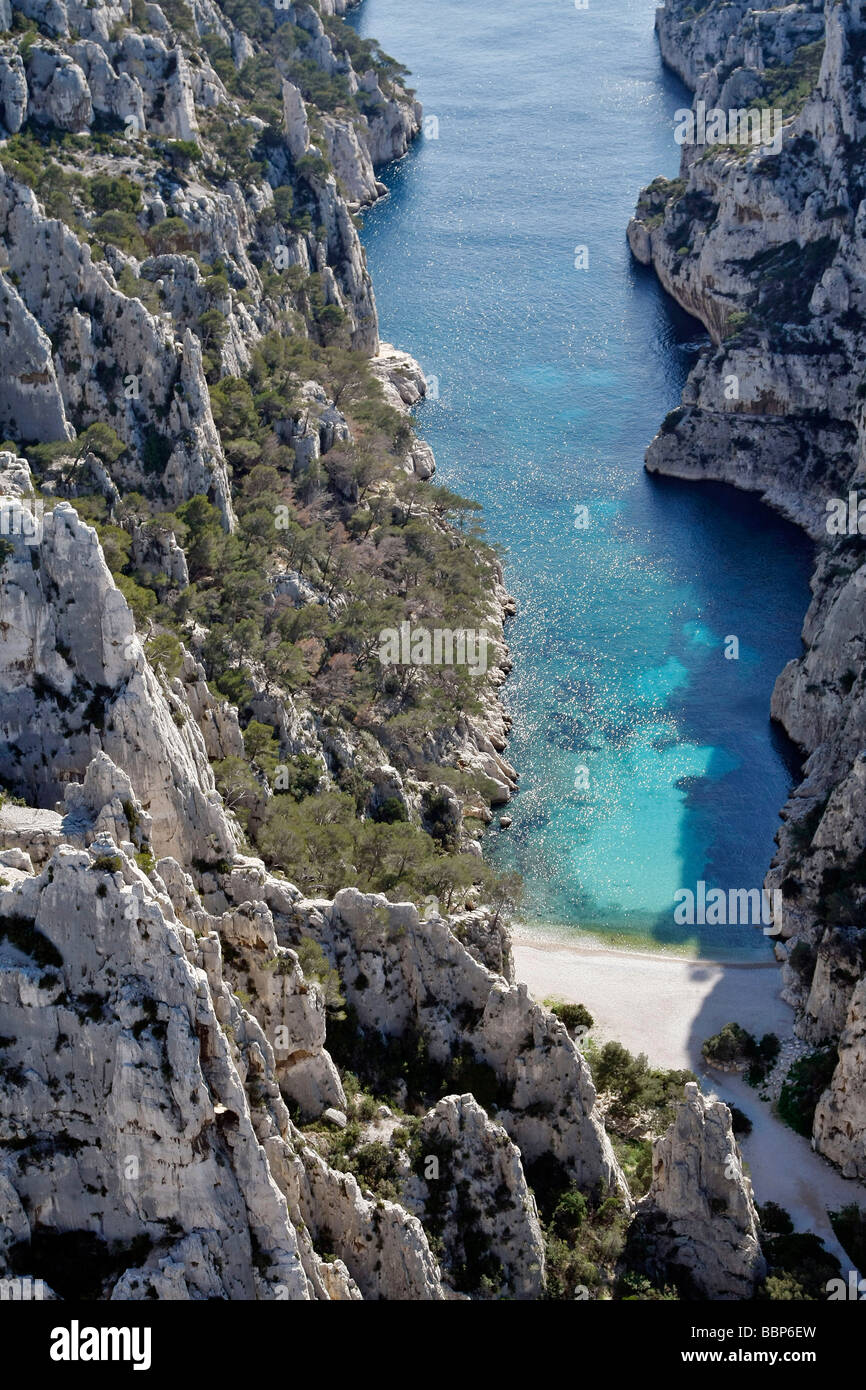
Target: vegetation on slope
375, 545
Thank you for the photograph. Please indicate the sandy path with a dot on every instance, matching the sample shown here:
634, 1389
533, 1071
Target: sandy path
666, 1006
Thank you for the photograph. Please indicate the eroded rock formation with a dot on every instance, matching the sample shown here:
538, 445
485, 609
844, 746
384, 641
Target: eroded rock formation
699, 1212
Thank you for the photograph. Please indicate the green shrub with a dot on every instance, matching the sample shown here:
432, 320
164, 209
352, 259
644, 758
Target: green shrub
142, 601
572, 1015
375, 1166
180, 17
734, 1046
799, 1267
634, 1086
672, 420
635, 1158
107, 864
768, 1051
145, 861
166, 651
316, 966
805, 1083
312, 166
569, 1214
170, 235
638, 1288
774, 1219
737, 320
262, 746
180, 154
156, 451
299, 776
284, 203
134, 288
390, 811
731, 1045
789, 86
120, 229
584, 1241
115, 194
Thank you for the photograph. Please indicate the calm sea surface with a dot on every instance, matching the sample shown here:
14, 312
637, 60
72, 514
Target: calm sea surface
647, 758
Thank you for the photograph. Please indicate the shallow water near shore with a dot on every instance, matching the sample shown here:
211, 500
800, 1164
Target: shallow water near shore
647, 759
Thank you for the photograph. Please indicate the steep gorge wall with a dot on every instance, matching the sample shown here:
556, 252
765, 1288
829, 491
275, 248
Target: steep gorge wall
767, 247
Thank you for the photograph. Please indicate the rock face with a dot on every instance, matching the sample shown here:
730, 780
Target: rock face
737, 221
428, 983
105, 804
105, 340
137, 779
57, 90
840, 1116
134, 1117
351, 161
694, 40
74, 680
699, 1208
164, 1124
295, 117
85, 350
30, 396
767, 248
477, 1200
404, 975
290, 1009
383, 1246
13, 92
142, 985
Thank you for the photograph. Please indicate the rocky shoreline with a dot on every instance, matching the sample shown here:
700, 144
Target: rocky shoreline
766, 248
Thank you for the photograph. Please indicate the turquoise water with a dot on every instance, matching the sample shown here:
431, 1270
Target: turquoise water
647, 758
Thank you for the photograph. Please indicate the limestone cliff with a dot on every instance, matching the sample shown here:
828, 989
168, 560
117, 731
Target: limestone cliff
699, 1215
177, 210
765, 244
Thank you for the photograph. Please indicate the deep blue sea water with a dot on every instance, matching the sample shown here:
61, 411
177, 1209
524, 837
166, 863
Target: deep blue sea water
551, 381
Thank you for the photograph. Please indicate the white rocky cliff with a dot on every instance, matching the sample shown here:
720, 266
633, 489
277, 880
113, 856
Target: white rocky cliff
765, 245
699, 1211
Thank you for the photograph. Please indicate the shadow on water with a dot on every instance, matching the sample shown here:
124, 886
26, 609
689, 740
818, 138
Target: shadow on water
673, 327
734, 528
552, 383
